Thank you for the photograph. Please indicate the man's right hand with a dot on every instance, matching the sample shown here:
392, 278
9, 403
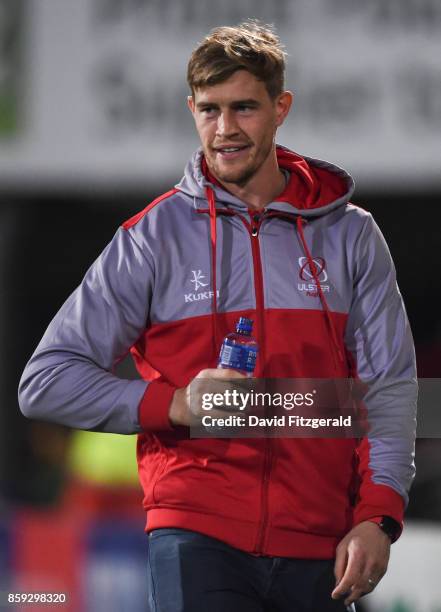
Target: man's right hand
184, 412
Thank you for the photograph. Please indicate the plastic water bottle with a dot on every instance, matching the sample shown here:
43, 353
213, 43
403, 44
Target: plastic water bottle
239, 349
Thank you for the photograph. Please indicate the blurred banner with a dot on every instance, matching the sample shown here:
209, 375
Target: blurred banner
11, 44
102, 565
93, 92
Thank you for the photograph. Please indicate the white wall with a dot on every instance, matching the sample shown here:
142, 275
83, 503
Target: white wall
102, 98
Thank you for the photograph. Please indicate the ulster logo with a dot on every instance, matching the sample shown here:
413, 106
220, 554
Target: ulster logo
198, 283
307, 276
306, 272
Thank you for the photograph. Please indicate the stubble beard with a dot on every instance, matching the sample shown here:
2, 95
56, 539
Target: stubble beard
242, 177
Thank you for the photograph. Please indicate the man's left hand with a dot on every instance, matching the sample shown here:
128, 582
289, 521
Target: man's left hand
361, 561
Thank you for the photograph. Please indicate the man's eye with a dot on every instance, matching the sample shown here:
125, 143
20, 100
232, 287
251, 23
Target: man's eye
208, 110
244, 108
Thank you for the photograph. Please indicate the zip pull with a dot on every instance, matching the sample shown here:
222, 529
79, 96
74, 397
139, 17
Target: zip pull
256, 219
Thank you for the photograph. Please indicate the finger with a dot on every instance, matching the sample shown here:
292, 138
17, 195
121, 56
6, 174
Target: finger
215, 413
222, 413
373, 576
353, 572
341, 558
355, 594
221, 373
234, 386
371, 583
218, 404
365, 585
206, 373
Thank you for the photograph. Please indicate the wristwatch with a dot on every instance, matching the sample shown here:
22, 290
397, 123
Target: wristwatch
390, 526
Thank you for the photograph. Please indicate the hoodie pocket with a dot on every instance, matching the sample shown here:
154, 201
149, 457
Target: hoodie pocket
160, 472
152, 463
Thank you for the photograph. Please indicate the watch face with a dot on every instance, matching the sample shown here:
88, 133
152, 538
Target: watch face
390, 527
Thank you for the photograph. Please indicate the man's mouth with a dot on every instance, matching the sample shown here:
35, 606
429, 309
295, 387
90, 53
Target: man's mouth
231, 152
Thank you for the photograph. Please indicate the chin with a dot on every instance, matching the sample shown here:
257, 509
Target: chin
241, 175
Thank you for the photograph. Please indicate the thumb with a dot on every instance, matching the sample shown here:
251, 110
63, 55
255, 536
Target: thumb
227, 373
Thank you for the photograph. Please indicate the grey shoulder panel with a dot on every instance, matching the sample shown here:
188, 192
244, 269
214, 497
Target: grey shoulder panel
69, 377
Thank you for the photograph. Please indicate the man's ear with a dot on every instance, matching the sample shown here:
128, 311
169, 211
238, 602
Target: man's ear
283, 106
190, 103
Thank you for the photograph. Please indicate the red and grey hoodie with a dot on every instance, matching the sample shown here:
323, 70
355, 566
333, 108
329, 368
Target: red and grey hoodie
315, 274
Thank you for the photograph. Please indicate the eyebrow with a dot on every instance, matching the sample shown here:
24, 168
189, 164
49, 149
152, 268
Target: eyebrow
234, 104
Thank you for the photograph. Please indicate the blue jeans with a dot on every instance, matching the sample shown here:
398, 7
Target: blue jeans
191, 572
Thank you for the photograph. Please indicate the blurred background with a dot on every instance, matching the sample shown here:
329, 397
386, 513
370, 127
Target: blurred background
93, 126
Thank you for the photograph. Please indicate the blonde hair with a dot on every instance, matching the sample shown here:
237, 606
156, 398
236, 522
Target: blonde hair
251, 46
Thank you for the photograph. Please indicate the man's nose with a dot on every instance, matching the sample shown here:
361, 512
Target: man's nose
226, 124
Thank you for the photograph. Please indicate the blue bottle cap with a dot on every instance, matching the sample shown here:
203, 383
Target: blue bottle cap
244, 325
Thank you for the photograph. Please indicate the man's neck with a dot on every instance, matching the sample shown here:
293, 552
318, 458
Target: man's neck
262, 188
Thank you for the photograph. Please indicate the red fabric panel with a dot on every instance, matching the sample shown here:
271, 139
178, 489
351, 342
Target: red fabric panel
134, 220
376, 500
309, 186
297, 345
154, 406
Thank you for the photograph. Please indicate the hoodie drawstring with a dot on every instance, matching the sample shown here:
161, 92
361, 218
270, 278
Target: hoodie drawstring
213, 240
331, 327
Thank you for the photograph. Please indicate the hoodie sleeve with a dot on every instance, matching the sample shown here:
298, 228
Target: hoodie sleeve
69, 378
378, 336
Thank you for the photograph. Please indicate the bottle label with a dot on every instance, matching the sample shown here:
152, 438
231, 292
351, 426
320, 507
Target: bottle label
237, 357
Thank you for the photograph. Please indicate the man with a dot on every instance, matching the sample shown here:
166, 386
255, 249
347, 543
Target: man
243, 524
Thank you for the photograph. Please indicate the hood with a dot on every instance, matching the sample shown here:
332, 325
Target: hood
314, 188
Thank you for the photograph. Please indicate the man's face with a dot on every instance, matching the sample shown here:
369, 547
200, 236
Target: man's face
237, 121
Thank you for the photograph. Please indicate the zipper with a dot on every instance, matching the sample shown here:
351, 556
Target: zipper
253, 229
256, 221
264, 496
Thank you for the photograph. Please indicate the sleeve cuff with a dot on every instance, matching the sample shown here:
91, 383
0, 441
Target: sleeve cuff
154, 406
378, 500
379, 519
376, 519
